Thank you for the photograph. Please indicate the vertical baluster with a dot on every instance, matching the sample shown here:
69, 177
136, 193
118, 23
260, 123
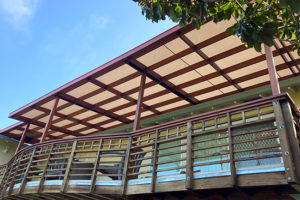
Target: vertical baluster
23, 183
66, 176
154, 165
243, 117
93, 181
189, 157
125, 169
230, 143
45, 170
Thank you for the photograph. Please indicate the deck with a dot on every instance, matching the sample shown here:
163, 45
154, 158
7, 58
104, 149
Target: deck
250, 144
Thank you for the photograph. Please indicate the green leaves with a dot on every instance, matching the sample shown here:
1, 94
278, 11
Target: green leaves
257, 22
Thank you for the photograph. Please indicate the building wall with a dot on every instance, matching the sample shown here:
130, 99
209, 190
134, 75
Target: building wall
7, 150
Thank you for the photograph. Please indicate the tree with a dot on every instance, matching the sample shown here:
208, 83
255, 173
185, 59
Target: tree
257, 21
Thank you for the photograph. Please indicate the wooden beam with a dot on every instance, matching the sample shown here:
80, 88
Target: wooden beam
136, 123
118, 94
48, 124
272, 70
91, 107
158, 79
24, 134
214, 65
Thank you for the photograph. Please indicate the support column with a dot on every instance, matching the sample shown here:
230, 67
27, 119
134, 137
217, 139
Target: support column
48, 124
136, 123
272, 71
24, 134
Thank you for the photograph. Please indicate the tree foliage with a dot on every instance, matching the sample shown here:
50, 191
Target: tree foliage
257, 21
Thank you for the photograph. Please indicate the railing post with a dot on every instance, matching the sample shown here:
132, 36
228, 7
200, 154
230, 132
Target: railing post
66, 176
288, 140
12, 182
231, 147
92, 188
125, 169
9, 171
23, 183
45, 170
154, 165
3, 183
284, 142
189, 157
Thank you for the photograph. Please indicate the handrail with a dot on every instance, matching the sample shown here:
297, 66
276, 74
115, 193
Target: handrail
218, 138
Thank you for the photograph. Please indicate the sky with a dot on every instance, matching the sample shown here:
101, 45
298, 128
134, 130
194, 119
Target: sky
47, 43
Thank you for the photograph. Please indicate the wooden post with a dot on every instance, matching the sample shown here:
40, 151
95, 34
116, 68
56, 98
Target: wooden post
24, 134
284, 142
23, 183
136, 123
272, 70
189, 157
232, 164
92, 188
125, 169
45, 170
16, 166
66, 176
292, 135
154, 165
49, 122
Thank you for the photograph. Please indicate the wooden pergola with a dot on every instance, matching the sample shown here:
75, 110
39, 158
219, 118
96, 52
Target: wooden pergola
176, 69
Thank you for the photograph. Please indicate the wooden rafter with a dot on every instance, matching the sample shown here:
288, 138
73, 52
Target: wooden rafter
213, 64
158, 79
91, 107
122, 95
290, 56
282, 51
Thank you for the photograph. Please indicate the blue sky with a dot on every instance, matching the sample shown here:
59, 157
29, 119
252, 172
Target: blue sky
46, 43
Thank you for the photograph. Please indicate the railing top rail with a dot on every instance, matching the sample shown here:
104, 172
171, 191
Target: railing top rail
168, 124
218, 112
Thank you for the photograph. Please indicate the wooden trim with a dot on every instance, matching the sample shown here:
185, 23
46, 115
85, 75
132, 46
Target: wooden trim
272, 70
49, 122
125, 169
24, 134
189, 157
136, 122
65, 181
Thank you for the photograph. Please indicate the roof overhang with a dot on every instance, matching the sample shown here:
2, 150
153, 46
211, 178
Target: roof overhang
183, 66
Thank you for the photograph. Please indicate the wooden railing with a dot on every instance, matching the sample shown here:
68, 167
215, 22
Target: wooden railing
222, 148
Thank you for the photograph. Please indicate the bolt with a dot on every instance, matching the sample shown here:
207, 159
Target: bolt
281, 126
286, 153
